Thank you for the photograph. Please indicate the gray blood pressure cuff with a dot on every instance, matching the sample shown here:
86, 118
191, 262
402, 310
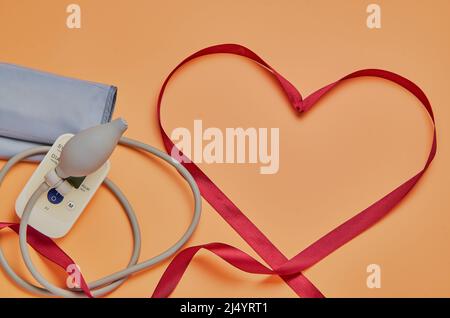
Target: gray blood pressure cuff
37, 107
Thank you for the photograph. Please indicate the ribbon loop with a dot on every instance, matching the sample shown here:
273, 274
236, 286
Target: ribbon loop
290, 270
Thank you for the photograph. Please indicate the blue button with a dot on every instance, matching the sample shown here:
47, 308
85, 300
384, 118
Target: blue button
54, 196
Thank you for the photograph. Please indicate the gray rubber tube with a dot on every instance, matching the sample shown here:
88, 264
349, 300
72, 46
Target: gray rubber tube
95, 286
114, 278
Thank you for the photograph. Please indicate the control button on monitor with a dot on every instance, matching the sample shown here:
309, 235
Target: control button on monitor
70, 205
54, 197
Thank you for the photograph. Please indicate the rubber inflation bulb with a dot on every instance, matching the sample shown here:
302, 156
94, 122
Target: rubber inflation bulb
88, 150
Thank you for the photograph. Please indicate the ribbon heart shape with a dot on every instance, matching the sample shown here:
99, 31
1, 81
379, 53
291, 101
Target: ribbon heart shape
290, 270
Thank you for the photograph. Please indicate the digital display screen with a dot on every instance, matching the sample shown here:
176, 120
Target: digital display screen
76, 182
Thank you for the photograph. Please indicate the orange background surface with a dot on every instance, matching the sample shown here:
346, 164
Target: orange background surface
359, 143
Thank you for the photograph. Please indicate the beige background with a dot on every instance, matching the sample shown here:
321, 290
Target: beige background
358, 144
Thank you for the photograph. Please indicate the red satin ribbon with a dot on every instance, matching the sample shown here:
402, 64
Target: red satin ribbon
47, 248
289, 270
